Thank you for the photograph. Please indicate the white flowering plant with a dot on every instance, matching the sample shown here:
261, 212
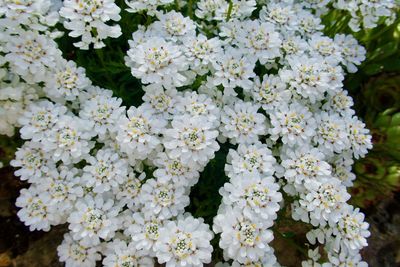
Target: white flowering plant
186, 133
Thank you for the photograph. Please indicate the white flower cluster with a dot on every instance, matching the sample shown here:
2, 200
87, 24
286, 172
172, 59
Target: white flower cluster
121, 177
218, 10
304, 108
37, 15
250, 202
88, 19
367, 14
15, 96
26, 54
150, 6
363, 14
105, 197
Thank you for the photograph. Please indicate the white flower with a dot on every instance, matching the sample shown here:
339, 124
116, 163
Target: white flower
150, 6
241, 123
160, 100
194, 104
64, 189
335, 75
87, 18
325, 47
340, 103
15, 97
367, 14
33, 162
240, 9
184, 243
319, 6
271, 92
140, 36
352, 53
323, 200
293, 45
350, 232
314, 256
192, 140
121, 253
344, 260
138, 134
66, 81
307, 77
260, 39
128, 191
173, 26
229, 31
104, 111
33, 14
331, 133
145, 231
279, 13
201, 52
254, 159
39, 119
207, 9
92, 219
341, 168
174, 170
360, 139
157, 61
294, 123
307, 23
234, 69
269, 260
31, 55
303, 164
69, 139
105, 171
241, 239
35, 209
74, 254
257, 196
164, 200
218, 9
10, 7
92, 92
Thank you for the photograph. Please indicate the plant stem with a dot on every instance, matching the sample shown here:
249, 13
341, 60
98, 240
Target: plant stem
228, 16
148, 20
384, 30
190, 9
100, 55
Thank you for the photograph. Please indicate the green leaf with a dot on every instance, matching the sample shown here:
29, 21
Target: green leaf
396, 119
373, 69
288, 234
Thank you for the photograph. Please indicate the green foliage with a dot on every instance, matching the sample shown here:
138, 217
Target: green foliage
378, 175
375, 89
382, 45
106, 67
377, 100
